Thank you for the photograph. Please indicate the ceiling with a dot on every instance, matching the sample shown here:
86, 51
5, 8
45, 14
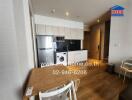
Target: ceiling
80, 10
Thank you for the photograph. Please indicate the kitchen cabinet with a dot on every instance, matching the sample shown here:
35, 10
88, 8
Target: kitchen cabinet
84, 56
49, 30
80, 34
46, 30
55, 30
77, 56
73, 33
68, 33
76, 34
61, 31
71, 58
40, 29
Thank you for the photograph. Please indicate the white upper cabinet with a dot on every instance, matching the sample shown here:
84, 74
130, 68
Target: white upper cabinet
61, 31
40, 29
55, 30
44, 29
73, 33
68, 33
80, 34
58, 27
49, 30
76, 34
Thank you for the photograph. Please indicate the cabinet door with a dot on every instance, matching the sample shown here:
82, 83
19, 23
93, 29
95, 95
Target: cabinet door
40, 29
76, 34
80, 34
55, 30
49, 30
71, 58
79, 56
61, 31
67, 33
84, 55
73, 33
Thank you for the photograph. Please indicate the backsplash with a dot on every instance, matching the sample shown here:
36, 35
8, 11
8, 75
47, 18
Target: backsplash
68, 45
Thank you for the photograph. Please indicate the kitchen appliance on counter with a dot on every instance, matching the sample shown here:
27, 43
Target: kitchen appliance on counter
61, 58
46, 50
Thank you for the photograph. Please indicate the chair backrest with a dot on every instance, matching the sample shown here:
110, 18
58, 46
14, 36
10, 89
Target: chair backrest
69, 87
127, 62
127, 65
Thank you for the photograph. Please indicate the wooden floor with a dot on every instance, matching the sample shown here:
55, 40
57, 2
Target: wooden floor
100, 85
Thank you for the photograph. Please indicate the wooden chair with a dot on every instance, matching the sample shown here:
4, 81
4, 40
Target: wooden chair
76, 83
64, 93
126, 66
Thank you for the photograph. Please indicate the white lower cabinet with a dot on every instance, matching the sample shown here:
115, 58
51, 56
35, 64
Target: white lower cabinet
84, 55
71, 58
77, 56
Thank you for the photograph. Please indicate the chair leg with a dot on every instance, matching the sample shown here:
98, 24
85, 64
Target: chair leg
77, 83
70, 94
129, 75
74, 92
119, 75
124, 77
121, 71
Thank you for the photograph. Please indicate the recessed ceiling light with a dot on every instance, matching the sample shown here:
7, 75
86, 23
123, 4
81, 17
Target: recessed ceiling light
67, 13
98, 20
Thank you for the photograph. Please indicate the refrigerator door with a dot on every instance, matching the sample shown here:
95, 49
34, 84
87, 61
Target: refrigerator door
45, 42
45, 57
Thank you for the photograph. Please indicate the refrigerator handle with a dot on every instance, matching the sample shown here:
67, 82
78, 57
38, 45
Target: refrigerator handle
41, 48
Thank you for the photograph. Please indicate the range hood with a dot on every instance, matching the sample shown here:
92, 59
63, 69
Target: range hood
59, 39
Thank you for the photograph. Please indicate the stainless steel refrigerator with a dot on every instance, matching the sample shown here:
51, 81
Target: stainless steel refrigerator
45, 49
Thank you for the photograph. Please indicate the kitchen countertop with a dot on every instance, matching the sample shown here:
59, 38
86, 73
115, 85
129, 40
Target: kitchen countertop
71, 50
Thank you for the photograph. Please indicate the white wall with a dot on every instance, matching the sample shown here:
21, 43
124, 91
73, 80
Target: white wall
15, 45
23, 33
10, 80
120, 37
130, 26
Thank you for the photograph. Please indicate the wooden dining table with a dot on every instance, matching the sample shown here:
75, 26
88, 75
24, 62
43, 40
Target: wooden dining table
42, 79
